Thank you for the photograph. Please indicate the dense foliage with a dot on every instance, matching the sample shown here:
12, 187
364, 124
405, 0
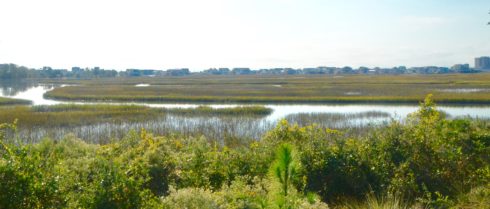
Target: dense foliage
426, 161
13, 71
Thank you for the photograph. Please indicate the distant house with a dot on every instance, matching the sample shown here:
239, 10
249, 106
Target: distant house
178, 72
277, 71
214, 71
432, 70
462, 68
149, 73
291, 71
210, 71
312, 71
363, 70
347, 70
139, 72
241, 71
76, 70
133, 72
224, 71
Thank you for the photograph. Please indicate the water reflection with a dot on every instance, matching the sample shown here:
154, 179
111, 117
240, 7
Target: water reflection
13, 87
28, 90
218, 129
35, 91
328, 115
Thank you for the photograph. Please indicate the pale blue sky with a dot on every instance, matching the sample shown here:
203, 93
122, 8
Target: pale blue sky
243, 33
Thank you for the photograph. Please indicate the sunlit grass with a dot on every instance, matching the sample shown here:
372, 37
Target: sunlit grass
373, 202
284, 89
335, 120
10, 101
74, 115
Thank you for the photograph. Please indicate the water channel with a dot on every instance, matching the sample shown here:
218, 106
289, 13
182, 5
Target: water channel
359, 115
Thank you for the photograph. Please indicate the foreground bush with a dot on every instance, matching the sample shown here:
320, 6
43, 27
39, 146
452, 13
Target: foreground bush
427, 161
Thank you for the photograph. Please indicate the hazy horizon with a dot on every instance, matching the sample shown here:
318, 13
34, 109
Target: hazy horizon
243, 33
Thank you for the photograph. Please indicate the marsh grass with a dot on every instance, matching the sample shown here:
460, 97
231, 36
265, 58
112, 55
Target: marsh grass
338, 120
229, 131
201, 110
73, 114
294, 89
228, 126
374, 202
99, 123
10, 101
477, 198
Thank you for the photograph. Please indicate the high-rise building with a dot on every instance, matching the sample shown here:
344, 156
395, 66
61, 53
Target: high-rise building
482, 63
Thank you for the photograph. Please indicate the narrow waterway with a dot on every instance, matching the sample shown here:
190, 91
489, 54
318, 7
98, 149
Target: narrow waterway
35, 94
328, 115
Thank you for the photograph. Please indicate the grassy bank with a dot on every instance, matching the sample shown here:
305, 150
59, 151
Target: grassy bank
336, 120
428, 162
10, 101
69, 115
227, 126
457, 89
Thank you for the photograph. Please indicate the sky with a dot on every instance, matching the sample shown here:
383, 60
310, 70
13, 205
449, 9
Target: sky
201, 34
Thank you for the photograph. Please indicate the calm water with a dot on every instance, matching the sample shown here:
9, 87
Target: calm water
219, 128
35, 94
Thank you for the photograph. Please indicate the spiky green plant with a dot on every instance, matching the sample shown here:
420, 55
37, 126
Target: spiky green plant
285, 167
383, 202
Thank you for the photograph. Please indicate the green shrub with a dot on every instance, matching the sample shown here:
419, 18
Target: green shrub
28, 178
191, 198
426, 160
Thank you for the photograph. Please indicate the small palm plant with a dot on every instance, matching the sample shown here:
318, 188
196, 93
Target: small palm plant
285, 174
285, 168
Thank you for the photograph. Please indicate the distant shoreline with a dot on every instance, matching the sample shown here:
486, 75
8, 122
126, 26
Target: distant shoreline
291, 101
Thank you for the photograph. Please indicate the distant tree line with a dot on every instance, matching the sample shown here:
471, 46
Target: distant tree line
459, 68
12, 71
